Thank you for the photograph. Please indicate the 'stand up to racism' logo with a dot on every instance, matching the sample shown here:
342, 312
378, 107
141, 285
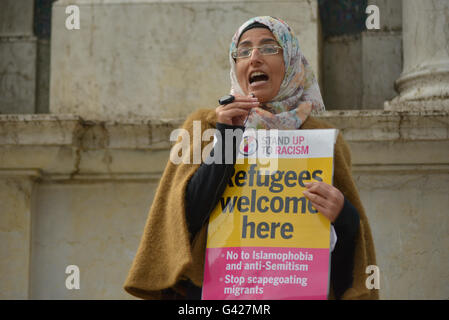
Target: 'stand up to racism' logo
248, 145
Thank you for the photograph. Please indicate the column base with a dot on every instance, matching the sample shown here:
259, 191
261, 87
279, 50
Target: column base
397, 104
424, 89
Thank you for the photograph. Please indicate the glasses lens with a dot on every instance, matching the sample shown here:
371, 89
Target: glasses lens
269, 49
244, 52
265, 50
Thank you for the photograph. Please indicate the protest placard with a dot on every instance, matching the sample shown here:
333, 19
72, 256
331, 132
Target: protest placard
265, 239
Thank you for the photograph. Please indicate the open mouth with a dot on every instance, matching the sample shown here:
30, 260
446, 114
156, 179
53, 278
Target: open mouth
257, 76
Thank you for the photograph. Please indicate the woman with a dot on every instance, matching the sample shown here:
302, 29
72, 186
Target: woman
273, 88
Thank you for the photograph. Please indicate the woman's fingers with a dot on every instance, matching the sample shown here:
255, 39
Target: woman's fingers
235, 112
244, 98
321, 188
233, 116
316, 198
241, 104
323, 210
319, 203
325, 198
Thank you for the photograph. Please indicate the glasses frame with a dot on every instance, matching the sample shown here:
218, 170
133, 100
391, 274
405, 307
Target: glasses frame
234, 53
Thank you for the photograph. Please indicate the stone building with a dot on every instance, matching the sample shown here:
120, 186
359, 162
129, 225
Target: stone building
85, 118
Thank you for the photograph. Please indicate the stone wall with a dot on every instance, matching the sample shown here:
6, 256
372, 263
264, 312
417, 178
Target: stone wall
157, 58
360, 67
76, 184
74, 192
77, 191
18, 52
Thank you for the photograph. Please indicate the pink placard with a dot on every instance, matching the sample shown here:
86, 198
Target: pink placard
242, 273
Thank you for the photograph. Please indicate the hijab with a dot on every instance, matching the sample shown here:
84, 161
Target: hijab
299, 94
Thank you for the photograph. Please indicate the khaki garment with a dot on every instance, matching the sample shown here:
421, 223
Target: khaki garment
166, 254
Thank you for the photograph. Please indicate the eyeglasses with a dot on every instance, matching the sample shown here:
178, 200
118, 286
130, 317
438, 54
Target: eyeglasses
266, 49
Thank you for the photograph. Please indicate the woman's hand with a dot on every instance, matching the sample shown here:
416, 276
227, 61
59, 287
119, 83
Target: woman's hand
325, 198
236, 112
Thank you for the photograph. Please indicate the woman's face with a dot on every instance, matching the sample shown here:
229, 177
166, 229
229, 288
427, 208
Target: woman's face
271, 68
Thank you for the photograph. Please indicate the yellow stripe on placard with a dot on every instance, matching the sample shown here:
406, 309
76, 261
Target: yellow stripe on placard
270, 210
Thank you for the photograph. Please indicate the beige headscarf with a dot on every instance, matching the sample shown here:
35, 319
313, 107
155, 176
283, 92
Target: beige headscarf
299, 94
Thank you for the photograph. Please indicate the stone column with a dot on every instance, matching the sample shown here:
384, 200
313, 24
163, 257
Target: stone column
424, 82
16, 188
